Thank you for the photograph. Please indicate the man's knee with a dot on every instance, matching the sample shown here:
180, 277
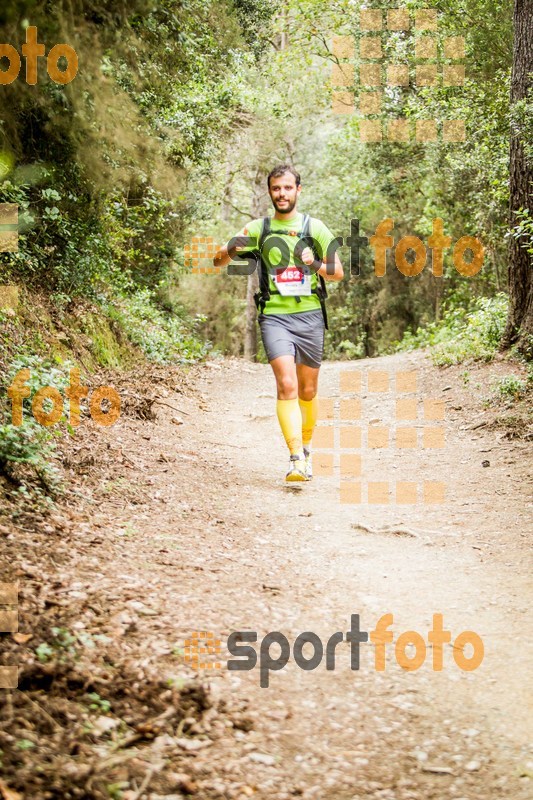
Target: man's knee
307, 391
287, 387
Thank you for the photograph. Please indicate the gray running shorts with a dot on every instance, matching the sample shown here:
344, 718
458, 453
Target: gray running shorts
300, 335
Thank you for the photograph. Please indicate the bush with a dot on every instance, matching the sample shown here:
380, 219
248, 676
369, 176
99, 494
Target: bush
461, 335
27, 451
77, 247
511, 387
28, 445
163, 338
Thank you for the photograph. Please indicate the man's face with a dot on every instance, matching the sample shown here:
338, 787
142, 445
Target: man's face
284, 192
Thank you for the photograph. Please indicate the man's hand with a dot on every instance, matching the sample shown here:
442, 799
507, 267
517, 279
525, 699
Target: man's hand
236, 245
307, 256
331, 272
239, 243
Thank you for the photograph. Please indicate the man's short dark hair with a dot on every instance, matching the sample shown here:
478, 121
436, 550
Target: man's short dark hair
277, 172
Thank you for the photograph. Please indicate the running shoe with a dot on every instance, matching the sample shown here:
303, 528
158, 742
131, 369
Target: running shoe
296, 470
308, 464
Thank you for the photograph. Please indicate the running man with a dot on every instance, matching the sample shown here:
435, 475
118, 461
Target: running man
291, 306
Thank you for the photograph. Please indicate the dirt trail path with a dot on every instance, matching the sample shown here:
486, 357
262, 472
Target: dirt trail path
330, 564
204, 535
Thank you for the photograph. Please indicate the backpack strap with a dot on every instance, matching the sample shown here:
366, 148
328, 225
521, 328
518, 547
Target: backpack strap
265, 230
320, 291
304, 234
306, 227
264, 277
262, 297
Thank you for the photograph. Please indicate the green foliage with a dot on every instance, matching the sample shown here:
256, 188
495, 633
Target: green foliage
29, 446
99, 168
464, 184
255, 19
24, 744
511, 387
163, 338
59, 242
25, 444
28, 451
435, 333
44, 652
461, 336
61, 646
64, 644
123, 242
43, 372
115, 790
98, 703
182, 106
523, 232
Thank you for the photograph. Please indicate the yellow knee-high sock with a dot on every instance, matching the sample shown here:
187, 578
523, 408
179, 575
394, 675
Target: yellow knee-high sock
290, 420
309, 410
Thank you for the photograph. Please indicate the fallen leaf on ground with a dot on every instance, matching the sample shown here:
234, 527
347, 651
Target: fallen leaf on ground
437, 768
22, 638
9, 794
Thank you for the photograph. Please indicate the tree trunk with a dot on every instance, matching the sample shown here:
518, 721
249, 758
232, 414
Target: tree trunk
252, 286
250, 336
520, 320
226, 208
438, 299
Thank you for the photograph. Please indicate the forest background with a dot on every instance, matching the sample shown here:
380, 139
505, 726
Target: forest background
178, 111
176, 115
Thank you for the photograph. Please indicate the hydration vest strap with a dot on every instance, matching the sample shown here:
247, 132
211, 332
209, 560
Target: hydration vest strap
262, 297
320, 291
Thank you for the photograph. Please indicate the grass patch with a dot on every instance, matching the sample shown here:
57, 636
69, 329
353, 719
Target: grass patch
165, 338
473, 335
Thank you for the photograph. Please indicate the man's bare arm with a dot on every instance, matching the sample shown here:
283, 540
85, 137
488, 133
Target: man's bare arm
331, 269
226, 253
222, 257
335, 274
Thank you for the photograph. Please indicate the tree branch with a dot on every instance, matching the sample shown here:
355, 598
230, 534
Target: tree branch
241, 212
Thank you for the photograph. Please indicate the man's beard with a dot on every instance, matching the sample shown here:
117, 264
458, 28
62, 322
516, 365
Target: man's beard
287, 208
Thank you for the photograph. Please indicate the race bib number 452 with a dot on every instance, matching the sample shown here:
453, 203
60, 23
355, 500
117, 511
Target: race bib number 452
292, 281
